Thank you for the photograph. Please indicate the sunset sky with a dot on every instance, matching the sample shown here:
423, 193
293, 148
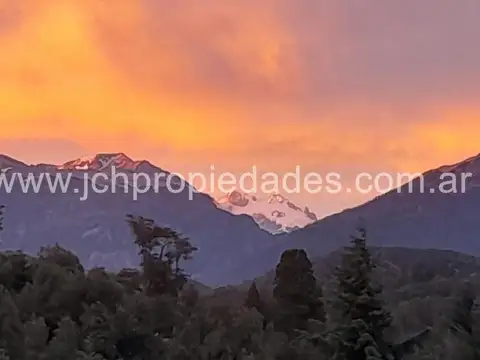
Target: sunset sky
330, 85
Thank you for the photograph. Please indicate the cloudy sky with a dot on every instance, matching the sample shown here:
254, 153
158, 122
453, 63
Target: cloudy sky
330, 85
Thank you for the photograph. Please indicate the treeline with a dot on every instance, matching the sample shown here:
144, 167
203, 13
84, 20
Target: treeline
51, 308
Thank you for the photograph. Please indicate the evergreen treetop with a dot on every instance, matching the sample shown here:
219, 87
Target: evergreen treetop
358, 304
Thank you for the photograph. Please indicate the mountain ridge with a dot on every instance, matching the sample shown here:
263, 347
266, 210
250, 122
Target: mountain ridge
96, 228
285, 216
233, 248
400, 217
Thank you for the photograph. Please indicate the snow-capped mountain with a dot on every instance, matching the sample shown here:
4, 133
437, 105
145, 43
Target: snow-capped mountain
273, 213
101, 162
94, 227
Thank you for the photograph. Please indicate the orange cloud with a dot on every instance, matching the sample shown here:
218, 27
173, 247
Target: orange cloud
450, 138
275, 83
87, 71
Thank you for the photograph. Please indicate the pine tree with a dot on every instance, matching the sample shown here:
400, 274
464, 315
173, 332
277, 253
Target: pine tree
296, 291
253, 298
362, 315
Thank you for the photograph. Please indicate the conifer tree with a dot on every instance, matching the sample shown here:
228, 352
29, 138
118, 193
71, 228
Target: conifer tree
253, 298
296, 291
362, 316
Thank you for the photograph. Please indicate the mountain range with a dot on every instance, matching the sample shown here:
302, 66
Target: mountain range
232, 248
417, 215
275, 213
96, 230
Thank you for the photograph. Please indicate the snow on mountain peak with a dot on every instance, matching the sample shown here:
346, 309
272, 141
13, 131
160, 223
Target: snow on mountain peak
236, 198
274, 213
276, 198
101, 162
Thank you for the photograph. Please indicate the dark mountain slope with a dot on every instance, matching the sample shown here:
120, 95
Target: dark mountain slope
411, 216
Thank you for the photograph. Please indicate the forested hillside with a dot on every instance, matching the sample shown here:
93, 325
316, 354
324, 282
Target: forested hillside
414, 305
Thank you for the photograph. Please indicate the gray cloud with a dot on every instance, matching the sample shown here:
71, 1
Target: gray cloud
397, 54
